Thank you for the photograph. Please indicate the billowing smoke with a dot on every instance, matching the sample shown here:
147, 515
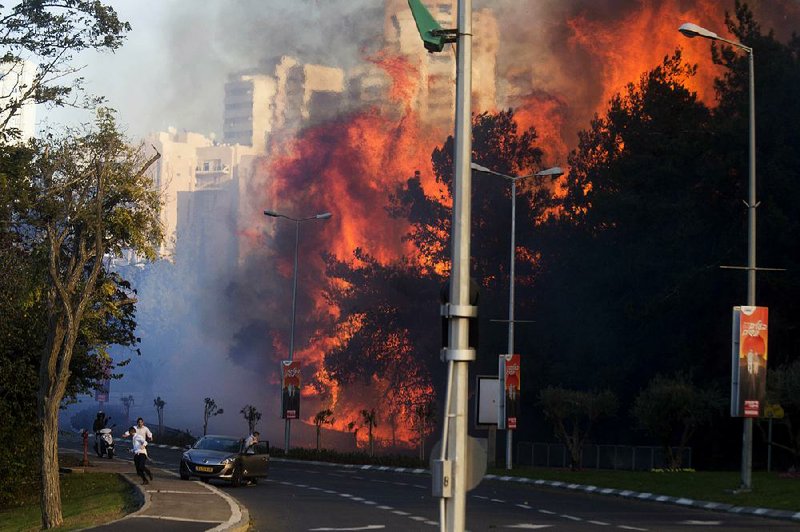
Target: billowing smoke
558, 63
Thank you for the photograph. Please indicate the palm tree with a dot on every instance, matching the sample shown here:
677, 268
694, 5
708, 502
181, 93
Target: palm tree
371, 419
425, 415
159, 404
127, 402
210, 409
252, 415
322, 417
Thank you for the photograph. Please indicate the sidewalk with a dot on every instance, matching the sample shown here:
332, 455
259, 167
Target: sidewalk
173, 504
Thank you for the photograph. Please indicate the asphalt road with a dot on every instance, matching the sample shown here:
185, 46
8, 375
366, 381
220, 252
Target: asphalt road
308, 497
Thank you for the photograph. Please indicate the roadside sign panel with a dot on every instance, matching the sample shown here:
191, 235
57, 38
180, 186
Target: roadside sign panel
486, 406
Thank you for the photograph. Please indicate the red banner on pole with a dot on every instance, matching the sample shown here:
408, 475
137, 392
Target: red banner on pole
749, 384
511, 387
290, 385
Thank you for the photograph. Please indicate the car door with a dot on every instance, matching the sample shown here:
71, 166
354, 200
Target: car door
256, 464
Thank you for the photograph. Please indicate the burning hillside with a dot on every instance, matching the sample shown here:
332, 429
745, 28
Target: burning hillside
349, 166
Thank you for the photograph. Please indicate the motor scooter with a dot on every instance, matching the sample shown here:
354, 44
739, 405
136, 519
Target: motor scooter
104, 442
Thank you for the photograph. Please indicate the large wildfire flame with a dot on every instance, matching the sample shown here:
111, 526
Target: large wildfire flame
350, 166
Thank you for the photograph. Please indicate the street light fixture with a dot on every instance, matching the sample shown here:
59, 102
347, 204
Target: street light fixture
693, 30
322, 216
550, 172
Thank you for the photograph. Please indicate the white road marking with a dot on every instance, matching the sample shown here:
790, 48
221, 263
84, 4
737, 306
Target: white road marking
418, 518
166, 518
367, 527
383, 507
630, 527
400, 512
498, 500
528, 526
525, 506
601, 523
700, 523
571, 517
548, 512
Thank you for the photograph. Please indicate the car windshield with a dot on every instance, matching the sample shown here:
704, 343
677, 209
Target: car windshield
230, 445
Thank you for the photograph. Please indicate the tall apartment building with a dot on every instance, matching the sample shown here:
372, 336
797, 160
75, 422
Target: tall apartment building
247, 117
292, 96
437, 75
190, 162
15, 79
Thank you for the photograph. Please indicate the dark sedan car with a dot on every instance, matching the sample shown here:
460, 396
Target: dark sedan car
224, 457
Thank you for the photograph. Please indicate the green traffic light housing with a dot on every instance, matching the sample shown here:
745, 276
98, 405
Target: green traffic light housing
433, 36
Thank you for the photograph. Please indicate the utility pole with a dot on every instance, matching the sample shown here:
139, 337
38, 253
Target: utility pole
450, 482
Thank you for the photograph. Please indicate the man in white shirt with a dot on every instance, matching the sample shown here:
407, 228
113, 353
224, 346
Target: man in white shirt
250, 441
139, 450
142, 430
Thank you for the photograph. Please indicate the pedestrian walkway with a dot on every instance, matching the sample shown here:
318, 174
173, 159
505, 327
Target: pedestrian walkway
169, 503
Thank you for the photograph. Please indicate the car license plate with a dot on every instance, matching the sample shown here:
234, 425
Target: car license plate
204, 469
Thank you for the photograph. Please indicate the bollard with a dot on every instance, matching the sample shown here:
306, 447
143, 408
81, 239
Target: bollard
85, 435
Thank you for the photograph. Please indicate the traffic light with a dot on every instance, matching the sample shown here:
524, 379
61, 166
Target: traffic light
444, 297
433, 36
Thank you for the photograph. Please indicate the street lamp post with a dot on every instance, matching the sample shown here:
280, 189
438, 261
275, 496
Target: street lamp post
554, 171
323, 216
693, 30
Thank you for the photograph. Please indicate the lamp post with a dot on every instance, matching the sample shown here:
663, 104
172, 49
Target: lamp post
554, 171
322, 216
693, 30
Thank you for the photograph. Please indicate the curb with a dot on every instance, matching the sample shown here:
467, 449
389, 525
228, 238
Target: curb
239, 521
652, 497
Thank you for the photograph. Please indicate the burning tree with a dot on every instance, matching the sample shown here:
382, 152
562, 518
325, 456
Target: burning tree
386, 337
210, 409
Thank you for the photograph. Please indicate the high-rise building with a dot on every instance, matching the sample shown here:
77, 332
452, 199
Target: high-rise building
293, 95
16, 79
247, 117
435, 94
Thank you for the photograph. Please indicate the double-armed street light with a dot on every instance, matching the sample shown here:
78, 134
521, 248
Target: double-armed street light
550, 172
693, 30
297, 221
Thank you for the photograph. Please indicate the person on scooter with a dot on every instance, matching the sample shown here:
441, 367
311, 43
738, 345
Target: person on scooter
100, 423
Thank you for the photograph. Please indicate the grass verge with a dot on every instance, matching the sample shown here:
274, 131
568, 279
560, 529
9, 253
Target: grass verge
770, 490
87, 499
